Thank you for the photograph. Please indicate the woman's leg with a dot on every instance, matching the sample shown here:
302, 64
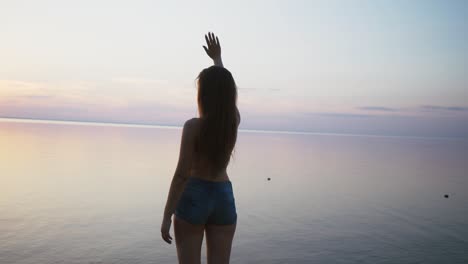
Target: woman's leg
189, 240
219, 242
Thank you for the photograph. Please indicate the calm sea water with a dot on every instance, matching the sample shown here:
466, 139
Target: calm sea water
95, 194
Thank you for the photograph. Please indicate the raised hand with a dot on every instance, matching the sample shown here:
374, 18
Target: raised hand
213, 48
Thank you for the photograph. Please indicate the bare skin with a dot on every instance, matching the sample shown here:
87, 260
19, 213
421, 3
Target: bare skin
201, 167
189, 237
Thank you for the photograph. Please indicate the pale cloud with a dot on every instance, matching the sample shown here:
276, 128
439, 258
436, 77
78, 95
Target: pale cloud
444, 108
341, 115
378, 108
140, 81
22, 88
115, 92
33, 93
124, 99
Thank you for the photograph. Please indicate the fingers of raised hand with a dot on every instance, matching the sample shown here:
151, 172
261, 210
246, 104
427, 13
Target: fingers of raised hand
210, 34
211, 40
208, 42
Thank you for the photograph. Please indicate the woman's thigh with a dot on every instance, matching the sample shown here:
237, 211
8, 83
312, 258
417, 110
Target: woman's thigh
219, 242
189, 238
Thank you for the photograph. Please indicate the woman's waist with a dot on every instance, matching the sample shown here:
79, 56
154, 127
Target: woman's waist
209, 175
197, 183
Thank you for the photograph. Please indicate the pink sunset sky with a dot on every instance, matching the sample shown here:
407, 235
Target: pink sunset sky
364, 67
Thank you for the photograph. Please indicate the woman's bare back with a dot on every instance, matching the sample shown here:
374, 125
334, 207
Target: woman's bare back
202, 168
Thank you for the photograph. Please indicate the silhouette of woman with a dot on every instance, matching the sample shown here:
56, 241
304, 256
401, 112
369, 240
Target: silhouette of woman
201, 194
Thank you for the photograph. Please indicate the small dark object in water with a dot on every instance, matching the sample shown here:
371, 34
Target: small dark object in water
268, 178
446, 196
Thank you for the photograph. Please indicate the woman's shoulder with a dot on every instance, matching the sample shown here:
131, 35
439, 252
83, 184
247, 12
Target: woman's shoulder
238, 116
192, 125
192, 122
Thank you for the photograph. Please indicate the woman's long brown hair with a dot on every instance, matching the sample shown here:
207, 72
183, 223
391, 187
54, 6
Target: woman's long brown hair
217, 98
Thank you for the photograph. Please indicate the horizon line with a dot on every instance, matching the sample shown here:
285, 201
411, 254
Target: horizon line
137, 125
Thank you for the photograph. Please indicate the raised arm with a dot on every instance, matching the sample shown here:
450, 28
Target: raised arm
213, 48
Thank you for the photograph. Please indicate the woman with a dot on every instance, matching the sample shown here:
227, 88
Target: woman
201, 195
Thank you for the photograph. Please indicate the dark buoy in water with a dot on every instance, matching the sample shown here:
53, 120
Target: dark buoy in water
268, 178
446, 196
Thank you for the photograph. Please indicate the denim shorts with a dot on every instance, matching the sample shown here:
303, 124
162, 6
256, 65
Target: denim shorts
207, 202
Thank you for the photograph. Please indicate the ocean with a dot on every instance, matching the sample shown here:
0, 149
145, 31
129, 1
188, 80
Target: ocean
75, 192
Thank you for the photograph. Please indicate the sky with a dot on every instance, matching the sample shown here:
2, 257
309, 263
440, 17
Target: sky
361, 67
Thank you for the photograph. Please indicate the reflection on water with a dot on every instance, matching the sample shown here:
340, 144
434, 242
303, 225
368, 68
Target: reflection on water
95, 194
